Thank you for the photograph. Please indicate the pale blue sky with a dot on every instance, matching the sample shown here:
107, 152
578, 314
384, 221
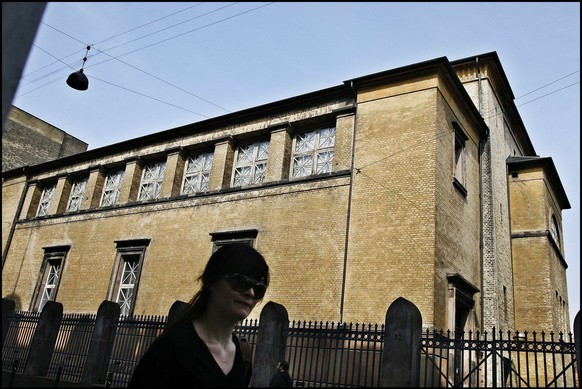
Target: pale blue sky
155, 66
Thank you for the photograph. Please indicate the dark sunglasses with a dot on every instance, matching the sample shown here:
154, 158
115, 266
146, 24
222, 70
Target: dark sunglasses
242, 283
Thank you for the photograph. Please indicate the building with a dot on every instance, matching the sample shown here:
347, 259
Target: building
418, 182
27, 140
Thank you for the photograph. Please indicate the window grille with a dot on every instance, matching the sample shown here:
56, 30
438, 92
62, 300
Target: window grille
128, 283
126, 275
313, 152
52, 281
251, 164
151, 182
50, 276
197, 173
45, 200
112, 188
77, 194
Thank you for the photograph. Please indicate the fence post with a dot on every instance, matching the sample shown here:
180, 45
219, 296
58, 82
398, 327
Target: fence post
271, 343
402, 341
8, 307
44, 340
101, 346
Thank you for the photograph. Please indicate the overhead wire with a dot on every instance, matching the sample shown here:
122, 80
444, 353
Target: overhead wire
104, 40
548, 84
143, 71
438, 135
153, 33
550, 93
210, 24
360, 170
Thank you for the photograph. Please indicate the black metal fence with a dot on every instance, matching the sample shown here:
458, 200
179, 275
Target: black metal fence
322, 354
498, 359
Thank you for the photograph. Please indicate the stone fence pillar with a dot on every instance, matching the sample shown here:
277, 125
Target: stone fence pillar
8, 307
402, 341
101, 346
44, 340
271, 343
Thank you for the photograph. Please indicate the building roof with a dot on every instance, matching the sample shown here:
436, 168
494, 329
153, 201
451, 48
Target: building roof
516, 164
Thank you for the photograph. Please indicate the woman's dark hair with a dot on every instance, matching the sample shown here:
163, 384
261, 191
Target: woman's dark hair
231, 258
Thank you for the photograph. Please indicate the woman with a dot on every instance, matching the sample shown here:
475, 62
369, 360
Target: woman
200, 348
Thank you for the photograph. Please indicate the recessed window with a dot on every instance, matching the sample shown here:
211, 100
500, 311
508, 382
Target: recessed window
112, 188
45, 199
459, 172
50, 276
126, 274
554, 231
197, 173
77, 194
250, 164
151, 181
313, 152
220, 239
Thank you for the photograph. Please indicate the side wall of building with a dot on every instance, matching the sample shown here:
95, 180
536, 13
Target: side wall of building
27, 140
539, 266
409, 226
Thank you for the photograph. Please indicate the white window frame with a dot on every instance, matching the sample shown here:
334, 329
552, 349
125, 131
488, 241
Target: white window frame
197, 173
126, 274
45, 199
50, 276
112, 188
151, 181
78, 189
250, 165
313, 152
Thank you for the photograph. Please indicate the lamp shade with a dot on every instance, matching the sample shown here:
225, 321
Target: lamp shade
78, 80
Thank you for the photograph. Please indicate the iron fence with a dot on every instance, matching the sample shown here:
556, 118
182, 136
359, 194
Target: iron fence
498, 359
18, 340
322, 354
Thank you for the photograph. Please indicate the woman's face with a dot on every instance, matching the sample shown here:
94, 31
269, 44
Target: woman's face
236, 296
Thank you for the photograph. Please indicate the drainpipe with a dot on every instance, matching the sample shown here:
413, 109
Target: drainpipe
343, 292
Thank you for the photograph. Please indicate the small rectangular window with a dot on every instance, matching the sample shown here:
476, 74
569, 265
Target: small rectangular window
112, 188
151, 181
197, 173
250, 164
242, 236
77, 194
313, 152
45, 199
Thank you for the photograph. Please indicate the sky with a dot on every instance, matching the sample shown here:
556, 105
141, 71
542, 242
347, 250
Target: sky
154, 66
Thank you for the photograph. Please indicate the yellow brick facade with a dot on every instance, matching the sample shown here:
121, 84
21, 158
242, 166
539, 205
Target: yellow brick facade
389, 220
537, 253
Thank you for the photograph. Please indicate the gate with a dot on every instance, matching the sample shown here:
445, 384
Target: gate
498, 360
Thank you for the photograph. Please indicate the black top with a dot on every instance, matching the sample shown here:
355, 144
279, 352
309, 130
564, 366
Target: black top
179, 357
281, 379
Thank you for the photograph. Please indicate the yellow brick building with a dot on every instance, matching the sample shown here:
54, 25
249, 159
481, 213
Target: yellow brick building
418, 182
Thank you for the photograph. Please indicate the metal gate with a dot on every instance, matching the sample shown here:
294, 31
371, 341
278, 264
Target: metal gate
498, 360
